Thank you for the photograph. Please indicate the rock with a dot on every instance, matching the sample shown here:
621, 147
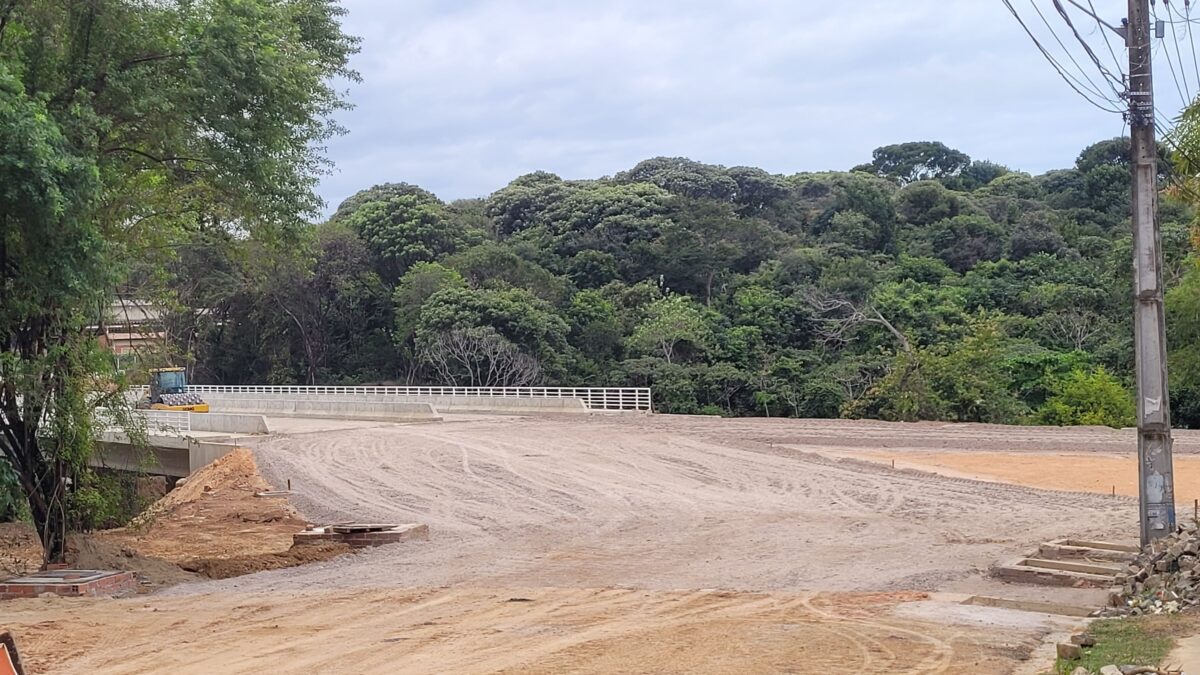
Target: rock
1068, 651
1111, 670
1084, 640
1081, 671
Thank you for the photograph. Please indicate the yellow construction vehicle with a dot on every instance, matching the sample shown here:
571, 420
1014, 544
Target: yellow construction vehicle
169, 391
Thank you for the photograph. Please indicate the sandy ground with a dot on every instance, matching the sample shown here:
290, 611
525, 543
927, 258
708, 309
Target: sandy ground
466, 630
658, 503
643, 544
1095, 472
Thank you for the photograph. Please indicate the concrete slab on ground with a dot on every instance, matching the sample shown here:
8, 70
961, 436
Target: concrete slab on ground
69, 583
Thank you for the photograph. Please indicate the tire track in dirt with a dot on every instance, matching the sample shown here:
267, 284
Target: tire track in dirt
465, 630
659, 502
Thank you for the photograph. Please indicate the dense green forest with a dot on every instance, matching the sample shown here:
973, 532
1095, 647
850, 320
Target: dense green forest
920, 285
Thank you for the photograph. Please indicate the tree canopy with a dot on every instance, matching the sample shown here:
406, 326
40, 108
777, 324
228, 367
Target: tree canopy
924, 285
131, 131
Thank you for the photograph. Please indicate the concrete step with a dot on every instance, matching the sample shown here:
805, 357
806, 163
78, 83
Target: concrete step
1058, 608
1057, 573
1063, 549
1085, 566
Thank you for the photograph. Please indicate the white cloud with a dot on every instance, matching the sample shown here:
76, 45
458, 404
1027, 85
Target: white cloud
461, 97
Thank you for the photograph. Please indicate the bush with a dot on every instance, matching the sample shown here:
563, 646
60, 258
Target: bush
1087, 397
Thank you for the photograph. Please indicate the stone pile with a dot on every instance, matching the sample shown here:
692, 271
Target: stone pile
1165, 577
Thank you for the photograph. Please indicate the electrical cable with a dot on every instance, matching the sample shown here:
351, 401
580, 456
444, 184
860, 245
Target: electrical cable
1108, 76
1095, 88
1187, 8
1058, 68
1183, 97
1104, 33
1178, 53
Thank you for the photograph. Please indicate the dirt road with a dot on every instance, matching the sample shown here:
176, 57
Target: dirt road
466, 630
656, 503
611, 543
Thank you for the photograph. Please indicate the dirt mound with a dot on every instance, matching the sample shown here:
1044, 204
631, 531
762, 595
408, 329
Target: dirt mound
95, 553
20, 550
214, 526
223, 568
235, 472
214, 515
211, 526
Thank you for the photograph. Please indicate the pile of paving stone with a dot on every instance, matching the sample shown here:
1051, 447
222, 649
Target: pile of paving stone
1165, 577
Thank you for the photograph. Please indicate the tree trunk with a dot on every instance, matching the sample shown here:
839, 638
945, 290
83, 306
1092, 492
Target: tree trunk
51, 523
43, 485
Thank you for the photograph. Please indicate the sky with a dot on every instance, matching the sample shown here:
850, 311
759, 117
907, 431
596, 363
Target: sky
462, 96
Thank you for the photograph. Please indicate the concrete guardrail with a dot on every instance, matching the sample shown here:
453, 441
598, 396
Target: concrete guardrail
230, 423
353, 405
304, 406
629, 399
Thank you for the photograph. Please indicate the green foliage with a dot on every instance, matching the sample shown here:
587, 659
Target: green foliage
922, 160
922, 286
684, 177
1141, 640
674, 328
1087, 397
402, 231
130, 131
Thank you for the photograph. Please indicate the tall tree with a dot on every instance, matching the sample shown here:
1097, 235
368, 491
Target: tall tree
919, 160
126, 124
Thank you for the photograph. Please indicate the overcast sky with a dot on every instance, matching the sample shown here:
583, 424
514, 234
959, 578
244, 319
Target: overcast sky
461, 96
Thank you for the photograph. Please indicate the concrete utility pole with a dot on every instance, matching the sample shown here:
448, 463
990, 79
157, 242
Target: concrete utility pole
1156, 493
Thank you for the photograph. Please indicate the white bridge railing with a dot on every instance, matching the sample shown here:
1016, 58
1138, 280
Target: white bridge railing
595, 398
167, 421
158, 422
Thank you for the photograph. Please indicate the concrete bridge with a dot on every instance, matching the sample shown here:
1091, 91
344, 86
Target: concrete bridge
180, 442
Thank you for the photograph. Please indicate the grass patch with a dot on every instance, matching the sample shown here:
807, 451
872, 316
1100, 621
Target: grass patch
1142, 640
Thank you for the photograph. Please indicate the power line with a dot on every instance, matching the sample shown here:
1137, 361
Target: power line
1180, 90
1094, 87
1187, 9
1103, 33
1109, 77
1078, 88
1178, 53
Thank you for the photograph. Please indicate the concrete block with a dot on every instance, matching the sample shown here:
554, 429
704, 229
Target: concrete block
1073, 566
70, 583
1017, 571
358, 538
1068, 651
1055, 608
230, 423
